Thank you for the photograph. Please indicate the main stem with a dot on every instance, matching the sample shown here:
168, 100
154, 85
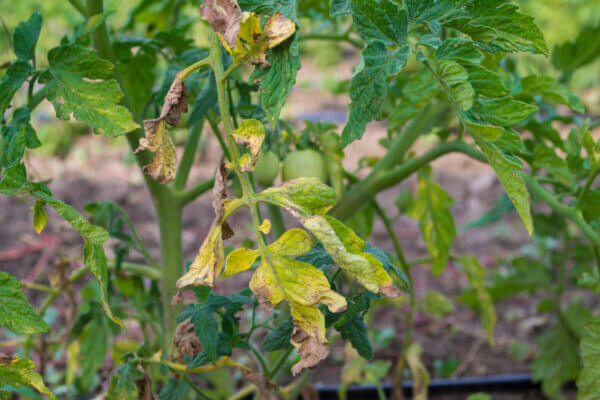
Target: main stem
168, 210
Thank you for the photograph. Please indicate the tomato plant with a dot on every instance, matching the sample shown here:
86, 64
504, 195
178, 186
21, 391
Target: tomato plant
444, 68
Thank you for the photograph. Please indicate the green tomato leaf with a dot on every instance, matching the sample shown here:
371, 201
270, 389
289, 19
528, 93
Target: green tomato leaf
379, 21
95, 259
588, 381
19, 134
123, 386
18, 372
206, 327
558, 360
436, 304
485, 82
369, 85
550, 89
40, 216
569, 56
455, 83
504, 111
77, 86
16, 313
357, 333
11, 81
277, 80
417, 92
460, 50
546, 158
26, 36
279, 338
339, 7
431, 208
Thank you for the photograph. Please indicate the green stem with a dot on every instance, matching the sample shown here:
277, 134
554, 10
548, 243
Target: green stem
575, 216
190, 195
78, 5
184, 73
355, 198
279, 364
187, 160
215, 128
259, 357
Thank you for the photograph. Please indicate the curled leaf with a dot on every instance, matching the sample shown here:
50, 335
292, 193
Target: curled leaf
158, 141
185, 340
175, 102
208, 263
308, 337
224, 17
278, 28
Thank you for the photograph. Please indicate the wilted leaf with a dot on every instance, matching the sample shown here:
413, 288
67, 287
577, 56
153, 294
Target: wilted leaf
348, 251
158, 140
206, 327
419, 373
262, 383
224, 18
208, 263
18, 372
16, 313
78, 85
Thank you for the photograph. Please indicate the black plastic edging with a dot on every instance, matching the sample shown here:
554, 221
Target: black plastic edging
517, 383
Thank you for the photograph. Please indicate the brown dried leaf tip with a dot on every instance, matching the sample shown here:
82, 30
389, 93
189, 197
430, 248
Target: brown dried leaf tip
185, 340
158, 140
224, 18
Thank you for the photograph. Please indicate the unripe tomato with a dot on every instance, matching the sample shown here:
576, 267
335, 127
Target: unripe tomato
266, 168
304, 163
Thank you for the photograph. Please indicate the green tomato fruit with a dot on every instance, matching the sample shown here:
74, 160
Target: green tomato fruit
266, 168
304, 163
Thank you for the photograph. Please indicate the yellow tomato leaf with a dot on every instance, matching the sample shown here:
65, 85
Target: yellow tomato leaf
292, 243
308, 337
17, 372
265, 227
208, 263
251, 134
347, 250
246, 163
302, 197
279, 28
239, 260
419, 373
252, 41
40, 217
158, 141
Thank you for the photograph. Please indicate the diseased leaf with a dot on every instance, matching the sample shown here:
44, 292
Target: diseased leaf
507, 170
78, 86
301, 197
368, 88
239, 260
40, 217
11, 81
379, 21
419, 373
431, 208
475, 274
208, 263
588, 381
348, 251
26, 35
224, 18
158, 140
18, 135
16, 313
251, 134
206, 327
18, 372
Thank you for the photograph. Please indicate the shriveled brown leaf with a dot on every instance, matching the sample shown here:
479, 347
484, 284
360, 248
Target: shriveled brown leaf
309, 392
158, 141
278, 28
262, 383
185, 340
219, 193
311, 346
224, 18
176, 102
